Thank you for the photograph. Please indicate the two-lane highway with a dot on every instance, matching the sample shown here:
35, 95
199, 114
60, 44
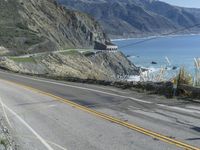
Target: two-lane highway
48, 114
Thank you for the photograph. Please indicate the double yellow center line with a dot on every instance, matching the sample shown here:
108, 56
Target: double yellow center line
112, 119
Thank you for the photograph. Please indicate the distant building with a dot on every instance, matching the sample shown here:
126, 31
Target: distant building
107, 46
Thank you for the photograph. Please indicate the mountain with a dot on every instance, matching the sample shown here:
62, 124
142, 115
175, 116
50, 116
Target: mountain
30, 26
33, 26
133, 18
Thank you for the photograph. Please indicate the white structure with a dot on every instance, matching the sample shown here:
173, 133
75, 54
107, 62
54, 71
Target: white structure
107, 46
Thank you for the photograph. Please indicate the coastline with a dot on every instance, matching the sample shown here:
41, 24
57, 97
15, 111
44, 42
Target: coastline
156, 51
155, 36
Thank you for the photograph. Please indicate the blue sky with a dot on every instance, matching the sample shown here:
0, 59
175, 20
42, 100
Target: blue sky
185, 3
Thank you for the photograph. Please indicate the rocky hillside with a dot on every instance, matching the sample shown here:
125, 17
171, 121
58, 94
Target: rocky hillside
29, 26
87, 65
132, 18
32, 26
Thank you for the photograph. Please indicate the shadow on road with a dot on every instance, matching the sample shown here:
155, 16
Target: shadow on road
196, 129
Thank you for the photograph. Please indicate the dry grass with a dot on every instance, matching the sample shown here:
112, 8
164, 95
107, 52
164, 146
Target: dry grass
184, 77
155, 77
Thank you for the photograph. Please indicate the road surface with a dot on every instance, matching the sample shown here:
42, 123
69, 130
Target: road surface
54, 115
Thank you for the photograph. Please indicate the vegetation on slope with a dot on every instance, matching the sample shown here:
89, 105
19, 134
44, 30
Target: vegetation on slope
28, 26
132, 18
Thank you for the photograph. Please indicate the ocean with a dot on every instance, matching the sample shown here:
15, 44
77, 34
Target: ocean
152, 54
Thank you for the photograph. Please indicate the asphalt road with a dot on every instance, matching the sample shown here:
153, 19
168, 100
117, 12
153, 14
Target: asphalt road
47, 114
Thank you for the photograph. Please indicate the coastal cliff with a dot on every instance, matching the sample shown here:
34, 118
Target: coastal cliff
31, 26
107, 66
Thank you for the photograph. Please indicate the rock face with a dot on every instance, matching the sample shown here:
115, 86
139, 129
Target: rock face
107, 66
32, 26
133, 18
29, 26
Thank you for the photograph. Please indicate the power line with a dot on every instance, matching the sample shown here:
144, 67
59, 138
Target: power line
165, 34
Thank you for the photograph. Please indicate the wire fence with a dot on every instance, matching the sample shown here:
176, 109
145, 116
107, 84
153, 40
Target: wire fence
164, 34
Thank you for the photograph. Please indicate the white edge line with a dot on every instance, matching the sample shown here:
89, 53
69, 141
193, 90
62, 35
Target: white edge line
29, 127
6, 117
83, 88
57, 145
112, 94
50, 142
180, 109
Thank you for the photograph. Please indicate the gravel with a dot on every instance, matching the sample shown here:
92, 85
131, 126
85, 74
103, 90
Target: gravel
6, 139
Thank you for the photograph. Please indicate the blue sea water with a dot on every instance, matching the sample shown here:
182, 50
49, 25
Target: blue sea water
181, 51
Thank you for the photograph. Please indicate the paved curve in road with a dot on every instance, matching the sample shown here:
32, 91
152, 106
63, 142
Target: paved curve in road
44, 120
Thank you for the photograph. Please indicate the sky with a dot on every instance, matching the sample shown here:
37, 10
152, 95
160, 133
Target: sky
184, 3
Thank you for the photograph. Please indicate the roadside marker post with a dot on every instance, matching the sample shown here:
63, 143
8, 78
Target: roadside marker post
175, 86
